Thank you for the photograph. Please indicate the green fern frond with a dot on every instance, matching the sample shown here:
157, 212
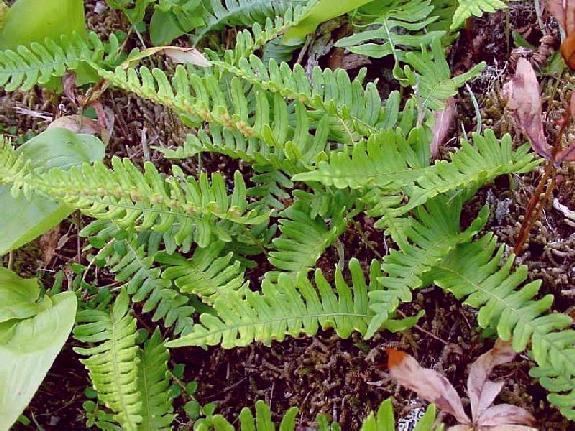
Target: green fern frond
270, 188
469, 8
386, 160
250, 40
40, 62
147, 200
154, 385
400, 25
428, 73
262, 422
357, 108
429, 238
131, 259
290, 306
477, 273
231, 106
305, 235
206, 274
239, 12
382, 420
113, 362
15, 169
471, 167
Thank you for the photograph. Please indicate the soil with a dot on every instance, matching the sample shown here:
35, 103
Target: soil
324, 374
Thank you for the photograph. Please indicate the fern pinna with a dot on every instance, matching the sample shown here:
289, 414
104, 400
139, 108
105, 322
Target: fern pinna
321, 149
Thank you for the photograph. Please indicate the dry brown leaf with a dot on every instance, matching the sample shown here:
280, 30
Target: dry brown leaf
176, 53
429, 384
77, 124
508, 428
524, 99
505, 414
436, 389
443, 121
564, 12
482, 392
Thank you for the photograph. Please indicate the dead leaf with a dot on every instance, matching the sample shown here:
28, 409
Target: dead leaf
482, 392
429, 384
77, 124
564, 12
176, 53
435, 388
524, 99
443, 121
49, 243
505, 414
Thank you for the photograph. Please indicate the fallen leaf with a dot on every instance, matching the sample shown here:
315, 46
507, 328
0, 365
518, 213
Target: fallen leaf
176, 53
429, 384
49, 243
505, 414
564, 12
77, 124
443, 121
482, 392
524, 99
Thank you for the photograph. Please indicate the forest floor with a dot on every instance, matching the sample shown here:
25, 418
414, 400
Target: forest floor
324, 374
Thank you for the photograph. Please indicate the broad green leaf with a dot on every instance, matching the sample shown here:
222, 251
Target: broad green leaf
30, 21
323, 11
22, 219
28, 347
18, 296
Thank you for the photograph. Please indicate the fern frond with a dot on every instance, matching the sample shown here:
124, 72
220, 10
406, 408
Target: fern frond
131, 259
205, 99
250, 40
305, 235
477, 273
206, 274
471, 167
469, 8
357, 108
239, 12
382, 420
262, 422
270, 188
429, 238
113, 362
15, 169
400, 25
154, 385
385, 160
428, 73
234, 145
40, 62
147, 200
290, 306
388, 161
